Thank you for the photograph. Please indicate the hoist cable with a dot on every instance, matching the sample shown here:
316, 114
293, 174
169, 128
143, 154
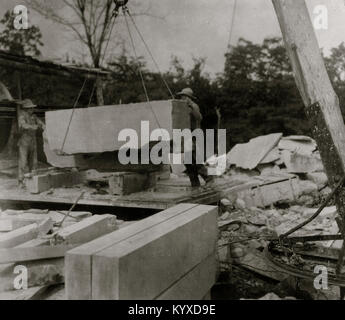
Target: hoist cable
72, 113
232, 23
93, 91
139, 69
150, 53
102, 58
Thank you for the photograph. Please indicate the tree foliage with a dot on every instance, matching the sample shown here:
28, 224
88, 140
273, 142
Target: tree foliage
91, 21
20, 41
258, 94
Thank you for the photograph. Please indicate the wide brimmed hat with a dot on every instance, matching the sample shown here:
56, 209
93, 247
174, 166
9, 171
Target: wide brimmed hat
188, 92
27, 104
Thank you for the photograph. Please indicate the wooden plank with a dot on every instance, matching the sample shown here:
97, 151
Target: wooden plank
141, 266
196, 284
28, 64
88, 229
96, 129
320, 100
79, 260
15, 255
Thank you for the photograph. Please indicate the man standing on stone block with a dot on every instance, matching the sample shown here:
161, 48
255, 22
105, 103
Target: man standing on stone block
194, 170
28, 124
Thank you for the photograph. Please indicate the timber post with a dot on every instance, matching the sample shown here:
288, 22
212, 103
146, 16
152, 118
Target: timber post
320, 100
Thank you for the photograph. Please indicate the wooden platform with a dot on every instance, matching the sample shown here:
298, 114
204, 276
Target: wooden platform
167, 193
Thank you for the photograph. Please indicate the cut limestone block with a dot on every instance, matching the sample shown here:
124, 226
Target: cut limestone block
79, 260
21, 235
97, 129
300, 144
35, 243
249, 155
14, 255
44, 182
10, 224
78, 233
145, 265
88, 229
195, 284
74, 216
124, 183
301, 163
264, 194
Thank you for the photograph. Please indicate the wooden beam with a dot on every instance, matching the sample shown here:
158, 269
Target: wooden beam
320, 100
25, 64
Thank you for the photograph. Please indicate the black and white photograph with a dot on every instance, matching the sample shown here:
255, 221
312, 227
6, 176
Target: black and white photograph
172, 150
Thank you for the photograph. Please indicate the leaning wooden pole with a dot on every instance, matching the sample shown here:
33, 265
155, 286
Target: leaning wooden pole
320, 100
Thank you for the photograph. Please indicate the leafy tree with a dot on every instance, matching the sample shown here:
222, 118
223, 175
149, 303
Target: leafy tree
335, 65
258, 92
22, 42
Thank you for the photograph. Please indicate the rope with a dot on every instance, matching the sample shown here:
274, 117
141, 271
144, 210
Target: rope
103, 57
139, 69
232, 23
150, 53
71, 117
136, 57
93, 91
106, 47
94, 85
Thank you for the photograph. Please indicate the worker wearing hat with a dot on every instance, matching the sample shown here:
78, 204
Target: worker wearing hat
194, 170
28, 125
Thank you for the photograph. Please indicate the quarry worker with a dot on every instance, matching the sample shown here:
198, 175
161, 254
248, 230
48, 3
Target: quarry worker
28, 124
194, 170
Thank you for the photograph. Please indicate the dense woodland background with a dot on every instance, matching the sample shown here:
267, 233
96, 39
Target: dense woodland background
256, 92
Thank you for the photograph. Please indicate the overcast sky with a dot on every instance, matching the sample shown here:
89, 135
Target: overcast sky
198, 28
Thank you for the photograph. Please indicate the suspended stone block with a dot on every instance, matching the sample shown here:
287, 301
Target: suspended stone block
96, 129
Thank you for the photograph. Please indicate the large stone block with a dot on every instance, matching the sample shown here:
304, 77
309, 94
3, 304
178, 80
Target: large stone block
147, 264
184, 235
96, 129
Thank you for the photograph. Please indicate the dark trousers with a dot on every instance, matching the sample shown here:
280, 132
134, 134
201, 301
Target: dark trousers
194, 170
27, 156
